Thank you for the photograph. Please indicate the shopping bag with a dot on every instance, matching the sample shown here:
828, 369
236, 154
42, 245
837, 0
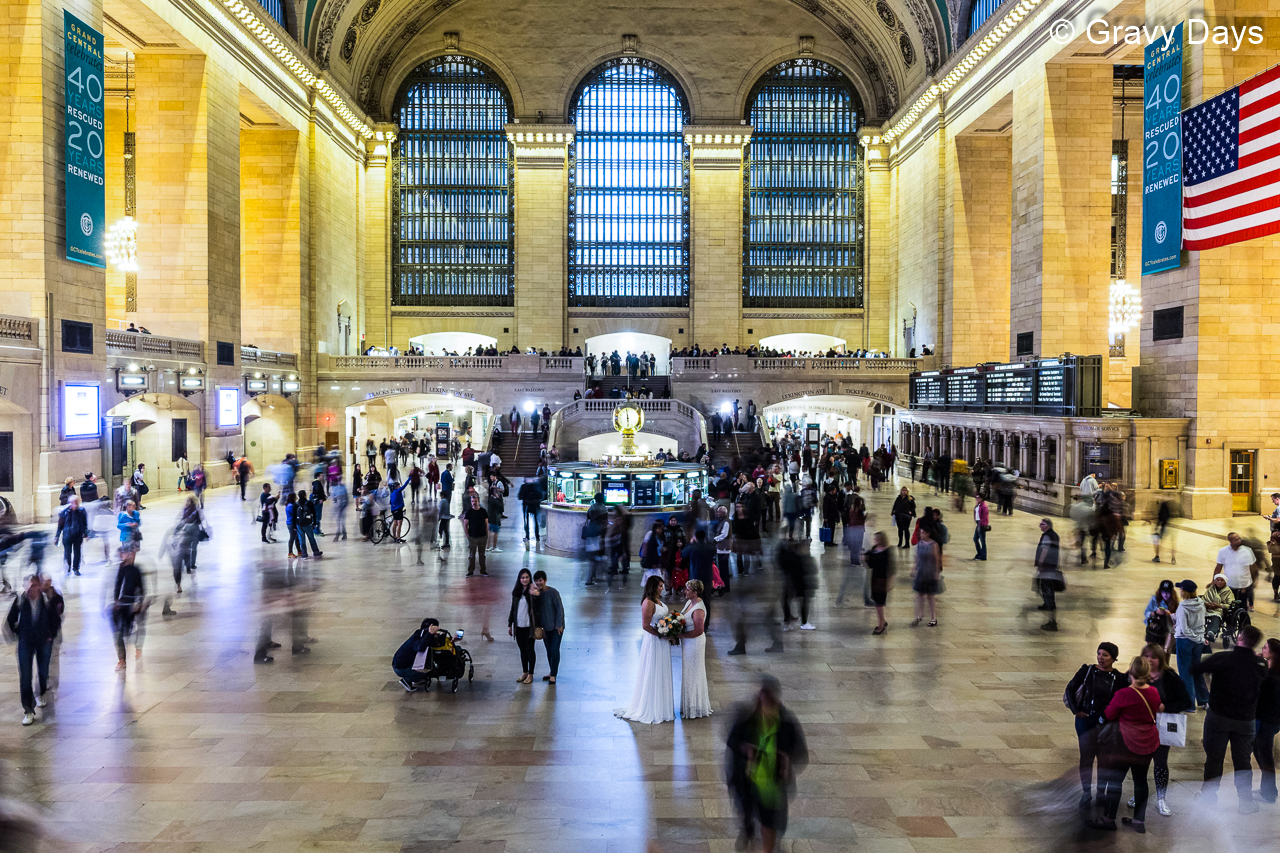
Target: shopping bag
825, 534
1173, 729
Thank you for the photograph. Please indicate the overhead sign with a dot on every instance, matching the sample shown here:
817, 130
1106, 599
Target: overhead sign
86, 208
1162, 154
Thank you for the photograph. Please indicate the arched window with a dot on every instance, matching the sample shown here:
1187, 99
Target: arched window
978, 14
451, 190
275, 8
802, 204
629, 189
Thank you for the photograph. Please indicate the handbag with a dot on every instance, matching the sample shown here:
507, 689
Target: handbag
143, 489
1173, 729
538, 633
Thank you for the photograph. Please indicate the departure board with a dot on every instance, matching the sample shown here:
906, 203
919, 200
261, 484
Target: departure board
965, 389
928, 390
1068, 386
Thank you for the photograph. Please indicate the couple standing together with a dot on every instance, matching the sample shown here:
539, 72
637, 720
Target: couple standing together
653, 698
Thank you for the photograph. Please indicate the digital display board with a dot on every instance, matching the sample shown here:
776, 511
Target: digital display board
228, 408
1068, 386
81, 416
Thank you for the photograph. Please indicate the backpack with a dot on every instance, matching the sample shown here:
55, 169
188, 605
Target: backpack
306, 515
1157, 628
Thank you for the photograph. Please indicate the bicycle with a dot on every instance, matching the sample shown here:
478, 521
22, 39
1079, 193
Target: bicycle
382, 528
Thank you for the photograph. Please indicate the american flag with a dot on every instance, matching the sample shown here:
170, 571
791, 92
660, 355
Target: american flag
1231, 165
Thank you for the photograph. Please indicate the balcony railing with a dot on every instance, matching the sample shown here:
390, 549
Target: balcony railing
19, 331
154, 346
791, 366
253, 355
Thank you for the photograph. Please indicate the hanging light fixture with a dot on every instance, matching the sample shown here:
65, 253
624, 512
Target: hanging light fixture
122, 236
1124, 308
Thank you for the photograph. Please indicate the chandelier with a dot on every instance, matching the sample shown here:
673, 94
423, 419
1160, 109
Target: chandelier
1124, 307
122, 236
122, 244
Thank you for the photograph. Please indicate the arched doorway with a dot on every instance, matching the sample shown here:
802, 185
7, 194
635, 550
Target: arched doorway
803, 342
420, 414
636, 342
164, 433
835, 415
439, 343
269, 431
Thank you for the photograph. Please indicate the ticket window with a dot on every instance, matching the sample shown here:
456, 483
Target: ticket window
565, 490
645, 491
587, 486
673, 492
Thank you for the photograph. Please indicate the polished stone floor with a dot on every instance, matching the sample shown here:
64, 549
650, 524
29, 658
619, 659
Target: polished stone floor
925, 739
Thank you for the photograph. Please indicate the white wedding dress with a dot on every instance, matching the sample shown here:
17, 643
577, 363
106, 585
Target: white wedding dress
653, 700
695, 696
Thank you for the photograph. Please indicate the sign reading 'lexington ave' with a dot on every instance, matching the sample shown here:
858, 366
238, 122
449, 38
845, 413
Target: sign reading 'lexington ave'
82, 134
1162, 154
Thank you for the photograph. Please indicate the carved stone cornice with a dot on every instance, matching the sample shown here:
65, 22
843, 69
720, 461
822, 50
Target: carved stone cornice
540, 146
716, 146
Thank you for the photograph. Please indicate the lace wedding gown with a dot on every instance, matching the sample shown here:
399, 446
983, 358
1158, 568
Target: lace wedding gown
653, 699
695, 696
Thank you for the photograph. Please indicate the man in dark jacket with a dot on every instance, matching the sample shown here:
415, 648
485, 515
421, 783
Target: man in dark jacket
551, 620
1234, 686
402, 661
35, 618
73, 525
799, 580
530, 497
88, 489
764, 752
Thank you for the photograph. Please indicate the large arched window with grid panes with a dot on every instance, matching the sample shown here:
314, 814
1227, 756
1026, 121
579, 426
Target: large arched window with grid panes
802, 203
629, 189
451, 191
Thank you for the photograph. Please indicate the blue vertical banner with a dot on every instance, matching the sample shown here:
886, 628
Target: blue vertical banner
83, 133
1162, 153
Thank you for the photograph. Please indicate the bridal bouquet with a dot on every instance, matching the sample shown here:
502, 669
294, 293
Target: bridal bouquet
669, 627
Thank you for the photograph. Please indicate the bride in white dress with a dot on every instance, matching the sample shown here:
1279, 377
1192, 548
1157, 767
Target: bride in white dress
695, 697
653, 699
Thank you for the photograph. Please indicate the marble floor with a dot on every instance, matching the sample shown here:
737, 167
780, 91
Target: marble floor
924, 740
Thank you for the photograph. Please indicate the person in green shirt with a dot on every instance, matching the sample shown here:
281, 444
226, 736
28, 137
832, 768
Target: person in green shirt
764, 752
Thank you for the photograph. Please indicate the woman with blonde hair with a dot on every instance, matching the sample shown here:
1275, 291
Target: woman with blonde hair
1176, 700
695, 696
1134, 708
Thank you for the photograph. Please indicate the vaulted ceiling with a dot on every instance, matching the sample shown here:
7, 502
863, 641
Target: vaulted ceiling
888, 46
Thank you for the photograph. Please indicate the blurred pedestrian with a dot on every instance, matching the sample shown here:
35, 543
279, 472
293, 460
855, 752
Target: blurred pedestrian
73, 525
1049, 579
928, 575
765, 751
1162, 535
34, 619
799, 580
341, 498
1268, 722
854, 533
880, 571
129, 606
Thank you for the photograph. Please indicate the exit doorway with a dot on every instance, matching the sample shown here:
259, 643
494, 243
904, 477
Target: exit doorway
1242, 474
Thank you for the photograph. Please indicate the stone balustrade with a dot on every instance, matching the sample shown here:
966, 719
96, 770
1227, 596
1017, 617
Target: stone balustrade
253, 355
154, 346
19, 331
743, 364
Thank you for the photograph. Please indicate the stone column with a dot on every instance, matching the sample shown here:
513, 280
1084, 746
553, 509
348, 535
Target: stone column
273, 265
1062, 128
879, 286
375, 320
1219, 370
715, 225
36, 279
541, 222
976, 275
188, 150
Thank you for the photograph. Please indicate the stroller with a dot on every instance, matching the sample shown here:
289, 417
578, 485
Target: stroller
449, 661
1228, 625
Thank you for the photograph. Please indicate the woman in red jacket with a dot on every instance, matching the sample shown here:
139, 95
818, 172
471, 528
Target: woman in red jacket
1135, 708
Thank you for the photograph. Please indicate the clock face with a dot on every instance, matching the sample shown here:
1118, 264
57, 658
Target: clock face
627, 418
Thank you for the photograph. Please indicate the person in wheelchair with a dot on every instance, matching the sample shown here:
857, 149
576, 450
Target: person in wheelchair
1218, 597
414, 662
